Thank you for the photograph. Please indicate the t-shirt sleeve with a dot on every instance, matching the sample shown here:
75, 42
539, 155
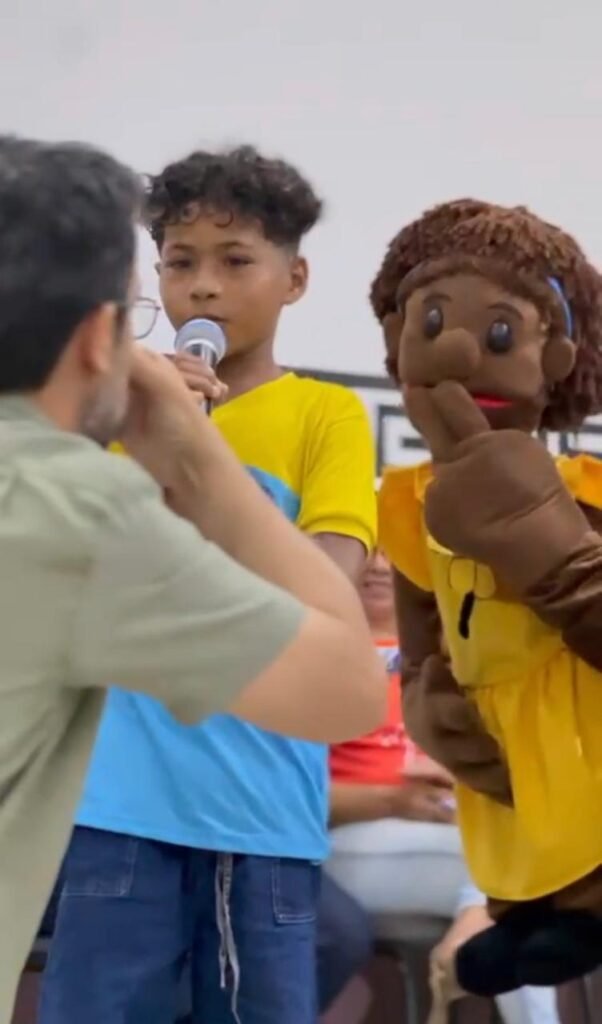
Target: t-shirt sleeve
166, 613
339, 482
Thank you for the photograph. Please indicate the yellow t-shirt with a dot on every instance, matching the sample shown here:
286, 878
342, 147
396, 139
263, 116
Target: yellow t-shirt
310, 446
540, 701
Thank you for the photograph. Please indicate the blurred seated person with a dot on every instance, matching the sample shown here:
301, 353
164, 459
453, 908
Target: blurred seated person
395, 849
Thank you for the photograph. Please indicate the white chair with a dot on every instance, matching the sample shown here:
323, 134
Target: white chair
407, 876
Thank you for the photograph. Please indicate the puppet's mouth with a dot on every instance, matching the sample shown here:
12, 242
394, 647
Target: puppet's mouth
491, 402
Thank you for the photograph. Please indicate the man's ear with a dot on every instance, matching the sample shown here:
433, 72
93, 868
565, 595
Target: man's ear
299, 276
95, 338
558, 358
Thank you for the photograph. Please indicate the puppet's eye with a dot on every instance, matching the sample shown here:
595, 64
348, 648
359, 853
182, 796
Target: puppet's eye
499, 337
433, 322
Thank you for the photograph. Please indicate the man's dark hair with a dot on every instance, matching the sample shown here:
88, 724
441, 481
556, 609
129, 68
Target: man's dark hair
234, 183
67, 245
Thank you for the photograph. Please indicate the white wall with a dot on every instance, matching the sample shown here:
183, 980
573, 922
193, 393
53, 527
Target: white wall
388, 106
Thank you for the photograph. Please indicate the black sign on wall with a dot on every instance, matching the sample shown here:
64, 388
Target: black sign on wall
398, 444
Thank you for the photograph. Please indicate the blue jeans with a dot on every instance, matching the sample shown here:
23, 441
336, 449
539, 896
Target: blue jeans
134, 915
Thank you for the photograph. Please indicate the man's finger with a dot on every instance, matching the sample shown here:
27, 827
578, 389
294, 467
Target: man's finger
193, 365
189, 359
459, 411
211, 388
425, 416
148, 368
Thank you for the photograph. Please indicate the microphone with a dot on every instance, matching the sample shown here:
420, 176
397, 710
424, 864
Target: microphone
205, 339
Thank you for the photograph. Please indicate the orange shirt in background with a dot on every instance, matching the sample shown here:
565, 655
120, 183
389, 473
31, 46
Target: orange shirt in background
380, 756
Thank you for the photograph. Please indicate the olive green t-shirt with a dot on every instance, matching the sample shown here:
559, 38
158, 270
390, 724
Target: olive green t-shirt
100, 584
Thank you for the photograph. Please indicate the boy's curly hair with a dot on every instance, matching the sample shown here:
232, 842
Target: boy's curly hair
233, 183
514, 247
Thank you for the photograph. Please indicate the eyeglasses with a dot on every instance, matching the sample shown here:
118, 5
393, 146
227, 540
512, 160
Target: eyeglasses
143, 313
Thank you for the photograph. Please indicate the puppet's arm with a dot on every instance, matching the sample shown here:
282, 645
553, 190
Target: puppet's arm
439, 717
501, 501
570, 597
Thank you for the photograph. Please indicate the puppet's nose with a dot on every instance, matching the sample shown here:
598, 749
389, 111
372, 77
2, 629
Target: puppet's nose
455, 355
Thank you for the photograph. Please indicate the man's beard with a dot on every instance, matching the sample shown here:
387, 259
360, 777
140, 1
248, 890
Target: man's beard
103, 417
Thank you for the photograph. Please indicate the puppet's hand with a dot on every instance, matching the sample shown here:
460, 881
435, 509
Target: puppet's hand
497, 496
447, 726
444, 416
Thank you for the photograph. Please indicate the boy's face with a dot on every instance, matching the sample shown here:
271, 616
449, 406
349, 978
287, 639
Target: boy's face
227, 271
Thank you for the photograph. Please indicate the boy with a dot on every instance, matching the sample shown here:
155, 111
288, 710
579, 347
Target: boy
204, 842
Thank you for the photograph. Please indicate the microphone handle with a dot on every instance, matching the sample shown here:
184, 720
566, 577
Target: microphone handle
208, 354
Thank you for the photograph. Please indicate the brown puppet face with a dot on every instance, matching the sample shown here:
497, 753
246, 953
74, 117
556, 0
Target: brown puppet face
466, 328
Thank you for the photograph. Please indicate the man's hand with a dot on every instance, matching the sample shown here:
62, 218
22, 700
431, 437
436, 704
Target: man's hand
424, 801
165, 421
200, 378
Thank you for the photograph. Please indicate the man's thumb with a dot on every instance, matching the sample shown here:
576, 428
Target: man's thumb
150, 370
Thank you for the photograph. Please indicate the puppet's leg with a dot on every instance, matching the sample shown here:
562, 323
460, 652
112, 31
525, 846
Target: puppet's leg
568, 942
562, 946
487, 964
568, 945
542, 943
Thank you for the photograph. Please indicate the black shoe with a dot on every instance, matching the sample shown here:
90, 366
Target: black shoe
486, 965
568, 946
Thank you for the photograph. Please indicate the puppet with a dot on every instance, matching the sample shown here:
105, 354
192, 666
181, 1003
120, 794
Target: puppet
493, 328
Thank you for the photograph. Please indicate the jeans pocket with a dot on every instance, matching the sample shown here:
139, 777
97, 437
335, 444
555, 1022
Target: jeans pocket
99, 864
295, 889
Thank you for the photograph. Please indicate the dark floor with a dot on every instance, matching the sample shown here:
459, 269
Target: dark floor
387, 984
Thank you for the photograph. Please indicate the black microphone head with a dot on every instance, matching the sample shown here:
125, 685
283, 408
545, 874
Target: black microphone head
202, 337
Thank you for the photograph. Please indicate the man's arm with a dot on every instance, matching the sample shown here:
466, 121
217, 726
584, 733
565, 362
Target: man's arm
225, 504
341, 461
338, 507
166, 612
337, 503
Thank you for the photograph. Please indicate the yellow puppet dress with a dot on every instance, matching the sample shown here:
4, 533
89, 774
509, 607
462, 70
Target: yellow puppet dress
541, 702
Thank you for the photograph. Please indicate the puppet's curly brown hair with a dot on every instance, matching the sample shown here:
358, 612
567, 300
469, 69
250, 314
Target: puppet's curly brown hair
522, 252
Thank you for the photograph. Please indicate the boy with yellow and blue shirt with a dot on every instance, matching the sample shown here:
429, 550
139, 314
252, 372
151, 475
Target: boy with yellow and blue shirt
203, 843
